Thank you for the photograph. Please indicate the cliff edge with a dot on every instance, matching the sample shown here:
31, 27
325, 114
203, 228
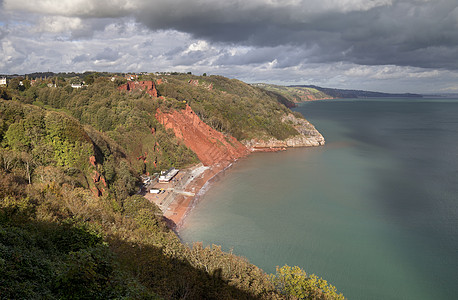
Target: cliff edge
213, 147
308, 137
210, 146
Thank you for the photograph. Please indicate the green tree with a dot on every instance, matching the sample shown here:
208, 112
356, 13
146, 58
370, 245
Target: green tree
13, 83
29, 164
5, 94
89, 79
295, 283
26, 83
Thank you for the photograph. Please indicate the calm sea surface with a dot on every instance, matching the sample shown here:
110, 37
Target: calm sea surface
374, 212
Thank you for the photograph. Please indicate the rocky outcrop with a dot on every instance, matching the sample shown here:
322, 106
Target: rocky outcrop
308, 137
92, 160
148, 86
194, 82
210, 146
97, 179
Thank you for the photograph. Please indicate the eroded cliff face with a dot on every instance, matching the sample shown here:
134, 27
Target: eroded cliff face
147, 86
308, 137
211, 146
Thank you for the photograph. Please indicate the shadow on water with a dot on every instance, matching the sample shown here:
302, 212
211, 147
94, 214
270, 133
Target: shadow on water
425, 238
416, 182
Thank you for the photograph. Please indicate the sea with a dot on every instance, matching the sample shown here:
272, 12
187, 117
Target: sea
374, 211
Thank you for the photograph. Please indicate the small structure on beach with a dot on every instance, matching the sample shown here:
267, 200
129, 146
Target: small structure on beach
166, 176
145, 179
155, 191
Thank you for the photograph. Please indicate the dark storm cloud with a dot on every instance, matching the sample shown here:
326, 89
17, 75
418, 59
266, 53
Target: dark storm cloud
407, 33
420, 33
371, 43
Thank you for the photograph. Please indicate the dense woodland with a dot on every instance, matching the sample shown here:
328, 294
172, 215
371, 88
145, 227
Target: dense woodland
71, 224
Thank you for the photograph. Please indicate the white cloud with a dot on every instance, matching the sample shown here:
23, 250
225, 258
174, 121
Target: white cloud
10, 55
86, 8
198, 46
59, 24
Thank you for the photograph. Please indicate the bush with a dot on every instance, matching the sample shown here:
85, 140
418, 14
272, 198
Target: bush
294, 282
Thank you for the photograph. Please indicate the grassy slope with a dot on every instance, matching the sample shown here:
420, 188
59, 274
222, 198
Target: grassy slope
296, 94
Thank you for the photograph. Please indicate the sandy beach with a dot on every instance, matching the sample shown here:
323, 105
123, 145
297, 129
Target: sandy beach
183, 192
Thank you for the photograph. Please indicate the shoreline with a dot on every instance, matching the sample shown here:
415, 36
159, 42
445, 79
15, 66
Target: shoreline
179, 202
183, 197
203, 183
182, 202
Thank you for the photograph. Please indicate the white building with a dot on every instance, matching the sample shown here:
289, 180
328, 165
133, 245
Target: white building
166, 176
3, 81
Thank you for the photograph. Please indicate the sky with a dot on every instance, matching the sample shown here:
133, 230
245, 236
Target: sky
380, 45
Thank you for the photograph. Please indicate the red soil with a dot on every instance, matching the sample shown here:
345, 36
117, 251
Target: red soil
92, 160
210, 146
147, 86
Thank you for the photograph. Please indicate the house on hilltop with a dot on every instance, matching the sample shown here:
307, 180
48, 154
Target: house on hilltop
2, 81
77, 85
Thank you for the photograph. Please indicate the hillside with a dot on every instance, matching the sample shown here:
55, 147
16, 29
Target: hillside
294, 94
71, 222
341, 93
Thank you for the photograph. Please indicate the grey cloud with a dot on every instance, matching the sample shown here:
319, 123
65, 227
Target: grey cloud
173, 52
377, 32
188, 58
284, 56
409, 33
81, 58
81, 8
3, 33
107, 54
280, 40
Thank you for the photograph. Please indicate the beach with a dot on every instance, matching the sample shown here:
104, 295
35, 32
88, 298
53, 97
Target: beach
183, 192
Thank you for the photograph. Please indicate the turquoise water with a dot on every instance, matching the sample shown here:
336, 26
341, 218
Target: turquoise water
375, 211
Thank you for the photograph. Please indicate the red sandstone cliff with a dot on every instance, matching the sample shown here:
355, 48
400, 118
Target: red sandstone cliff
147, 86
210, 146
